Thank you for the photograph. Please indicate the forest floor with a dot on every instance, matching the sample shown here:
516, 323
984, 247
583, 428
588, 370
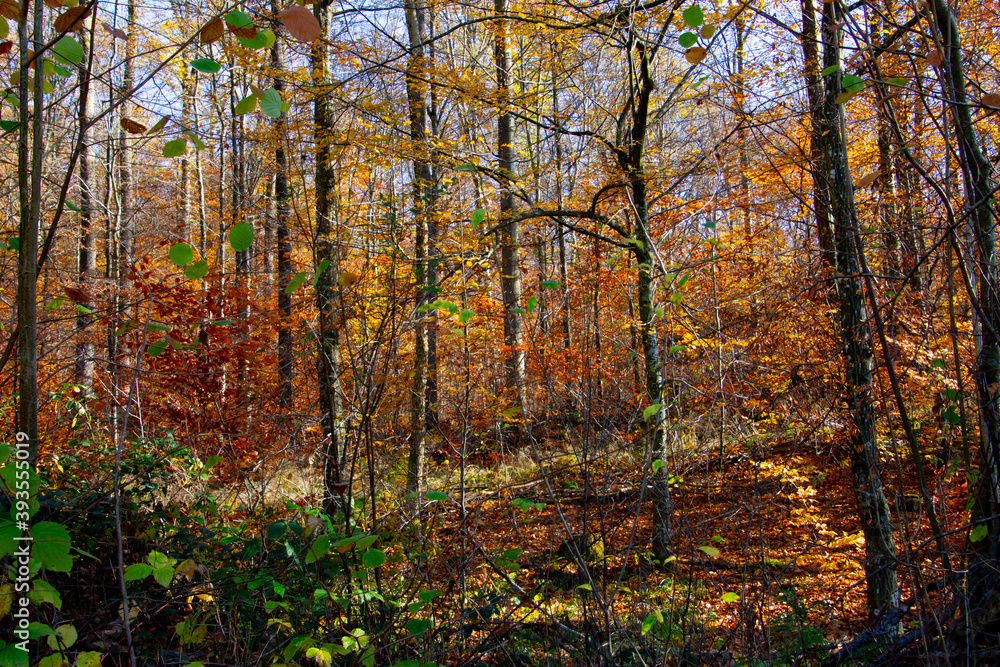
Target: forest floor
769, 554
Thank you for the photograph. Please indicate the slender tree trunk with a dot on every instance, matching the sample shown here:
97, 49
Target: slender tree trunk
421, 189
281, 215
328, 365
510, 268
873, 510
126, 232
814, 91
979, 181
87, 258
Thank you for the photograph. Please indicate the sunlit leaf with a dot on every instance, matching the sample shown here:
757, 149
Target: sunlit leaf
258, 41
730, 597
174, 148
245, 106
688, 39
68, 51
270, 103
4, 28
197, 270
181, 254
241, 236
830, 70
693, 16
695, 54
711, 552
212, 31
206, 65
651, 410
296, 282
301, 24
478, 217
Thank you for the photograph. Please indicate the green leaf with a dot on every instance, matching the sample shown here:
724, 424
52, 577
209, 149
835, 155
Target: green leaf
259, 41
693, 16
436, 495
68, 51
181, 254
51, 545
164, 575
468, 166
899, 81
939, 363
61, 71
4, 28
648, 624
532, 302
853, 83
73, 207
830, 70
651, 410
245, 106
43, 591
550, 284
238, 19
206, 65
158, 125
174, 148
276, 530
657, 465
688, 39
241, 236
478, 217
465, 316
978, 533
296, 282
55, 303
730, 597
199, 145
711, 552
416, 626
197, 270
318, 549
373, 558
269, 38
8, 125
91, 659
157, 348
137, 571
270, 103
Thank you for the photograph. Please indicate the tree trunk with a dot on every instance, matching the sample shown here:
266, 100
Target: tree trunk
87, 258
283, 240
510, 279
328, 364
873, 510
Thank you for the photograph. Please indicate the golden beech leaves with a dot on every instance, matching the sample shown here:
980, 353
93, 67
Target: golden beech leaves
695, 54
132, 127
71, 20
300, 23
212, 31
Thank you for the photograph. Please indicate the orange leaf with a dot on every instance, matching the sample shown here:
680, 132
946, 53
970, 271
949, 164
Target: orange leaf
212, 31
300, 23
133, 127
695, 54
77, 295
54, 4
71, 20
934, 59
6, 48
991, 100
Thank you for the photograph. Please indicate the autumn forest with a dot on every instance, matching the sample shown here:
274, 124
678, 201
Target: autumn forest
435, 332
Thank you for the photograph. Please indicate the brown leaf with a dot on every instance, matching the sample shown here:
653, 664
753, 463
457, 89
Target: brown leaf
133, 127
302, 26
695, 54
868, 180
71, 20
113, 31
991, 100
212, 31
10, 10
77, 295
247, 32
934, 59
6, 48
54, 4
